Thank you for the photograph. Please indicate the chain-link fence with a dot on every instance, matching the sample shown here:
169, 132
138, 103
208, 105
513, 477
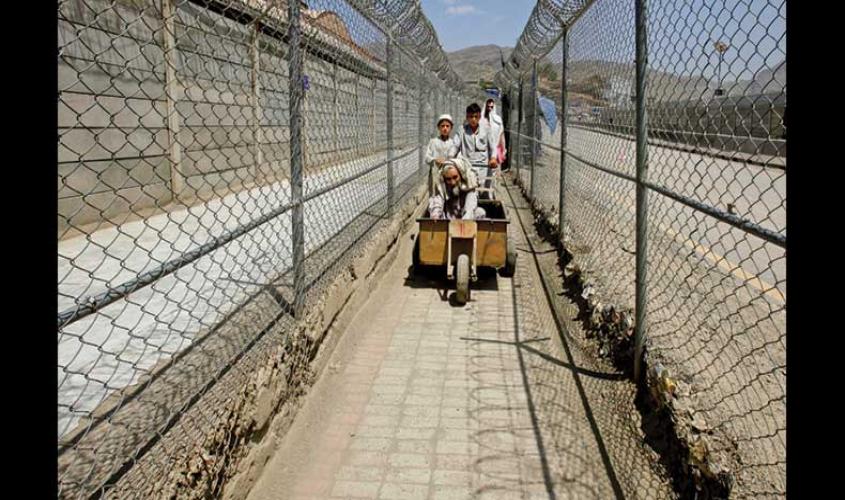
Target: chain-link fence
693, 162
219, 163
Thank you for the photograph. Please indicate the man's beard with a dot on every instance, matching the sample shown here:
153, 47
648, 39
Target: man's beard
456, 190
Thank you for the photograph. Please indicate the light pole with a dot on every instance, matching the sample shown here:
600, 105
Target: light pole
721, 48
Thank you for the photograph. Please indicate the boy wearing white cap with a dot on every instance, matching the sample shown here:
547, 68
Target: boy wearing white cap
440, 148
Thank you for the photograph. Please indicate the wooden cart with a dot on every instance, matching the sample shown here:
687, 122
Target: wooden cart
464, 245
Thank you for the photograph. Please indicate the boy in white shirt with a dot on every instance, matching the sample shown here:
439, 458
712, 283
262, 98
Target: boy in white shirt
440, 149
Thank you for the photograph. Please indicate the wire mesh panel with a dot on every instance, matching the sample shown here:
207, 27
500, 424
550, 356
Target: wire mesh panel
718, 292
715, 279
599, 169
199, 217
599, 196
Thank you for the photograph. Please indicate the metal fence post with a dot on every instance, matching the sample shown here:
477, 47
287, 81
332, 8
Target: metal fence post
174, 150
532, 143
561, 194
357, 131
257, 131
336, 129
296, 90
421, 135
389, 126
438, 109
642, 170
371, 134
518, 156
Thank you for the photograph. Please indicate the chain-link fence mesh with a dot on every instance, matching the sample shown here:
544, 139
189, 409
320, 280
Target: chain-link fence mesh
715, 275
214, 175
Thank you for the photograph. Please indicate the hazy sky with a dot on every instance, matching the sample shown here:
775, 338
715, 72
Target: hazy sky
464, 23
681, 32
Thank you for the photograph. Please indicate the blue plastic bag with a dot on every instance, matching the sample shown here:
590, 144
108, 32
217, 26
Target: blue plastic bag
549, 112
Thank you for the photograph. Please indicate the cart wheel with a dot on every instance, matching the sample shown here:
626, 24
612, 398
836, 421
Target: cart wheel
415, 255
510, 262
462, 282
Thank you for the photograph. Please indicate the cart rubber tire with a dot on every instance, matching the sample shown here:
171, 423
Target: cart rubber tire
462, 281
415, 256
510, 261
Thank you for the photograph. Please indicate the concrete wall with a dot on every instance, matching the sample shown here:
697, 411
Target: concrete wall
214, 102
121, 156
747, 124
113, 140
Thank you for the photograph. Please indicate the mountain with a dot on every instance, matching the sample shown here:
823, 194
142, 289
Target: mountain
479, 62
596, 81
766, 81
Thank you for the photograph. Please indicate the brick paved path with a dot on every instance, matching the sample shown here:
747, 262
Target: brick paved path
426, 400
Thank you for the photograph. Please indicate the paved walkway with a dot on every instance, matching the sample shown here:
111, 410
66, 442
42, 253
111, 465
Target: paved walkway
426, 400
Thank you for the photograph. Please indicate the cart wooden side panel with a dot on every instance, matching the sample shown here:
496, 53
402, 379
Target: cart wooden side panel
491, 242
433, 238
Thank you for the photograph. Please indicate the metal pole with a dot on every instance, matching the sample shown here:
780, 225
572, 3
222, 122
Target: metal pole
296, 86
174, 148
719, 78
518, 156
561, 194
358, 150
441, 103
513, 139
532, 143
389, 127
371, 133
257, 135
458, 103
421, 141
336, 146
642, 170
